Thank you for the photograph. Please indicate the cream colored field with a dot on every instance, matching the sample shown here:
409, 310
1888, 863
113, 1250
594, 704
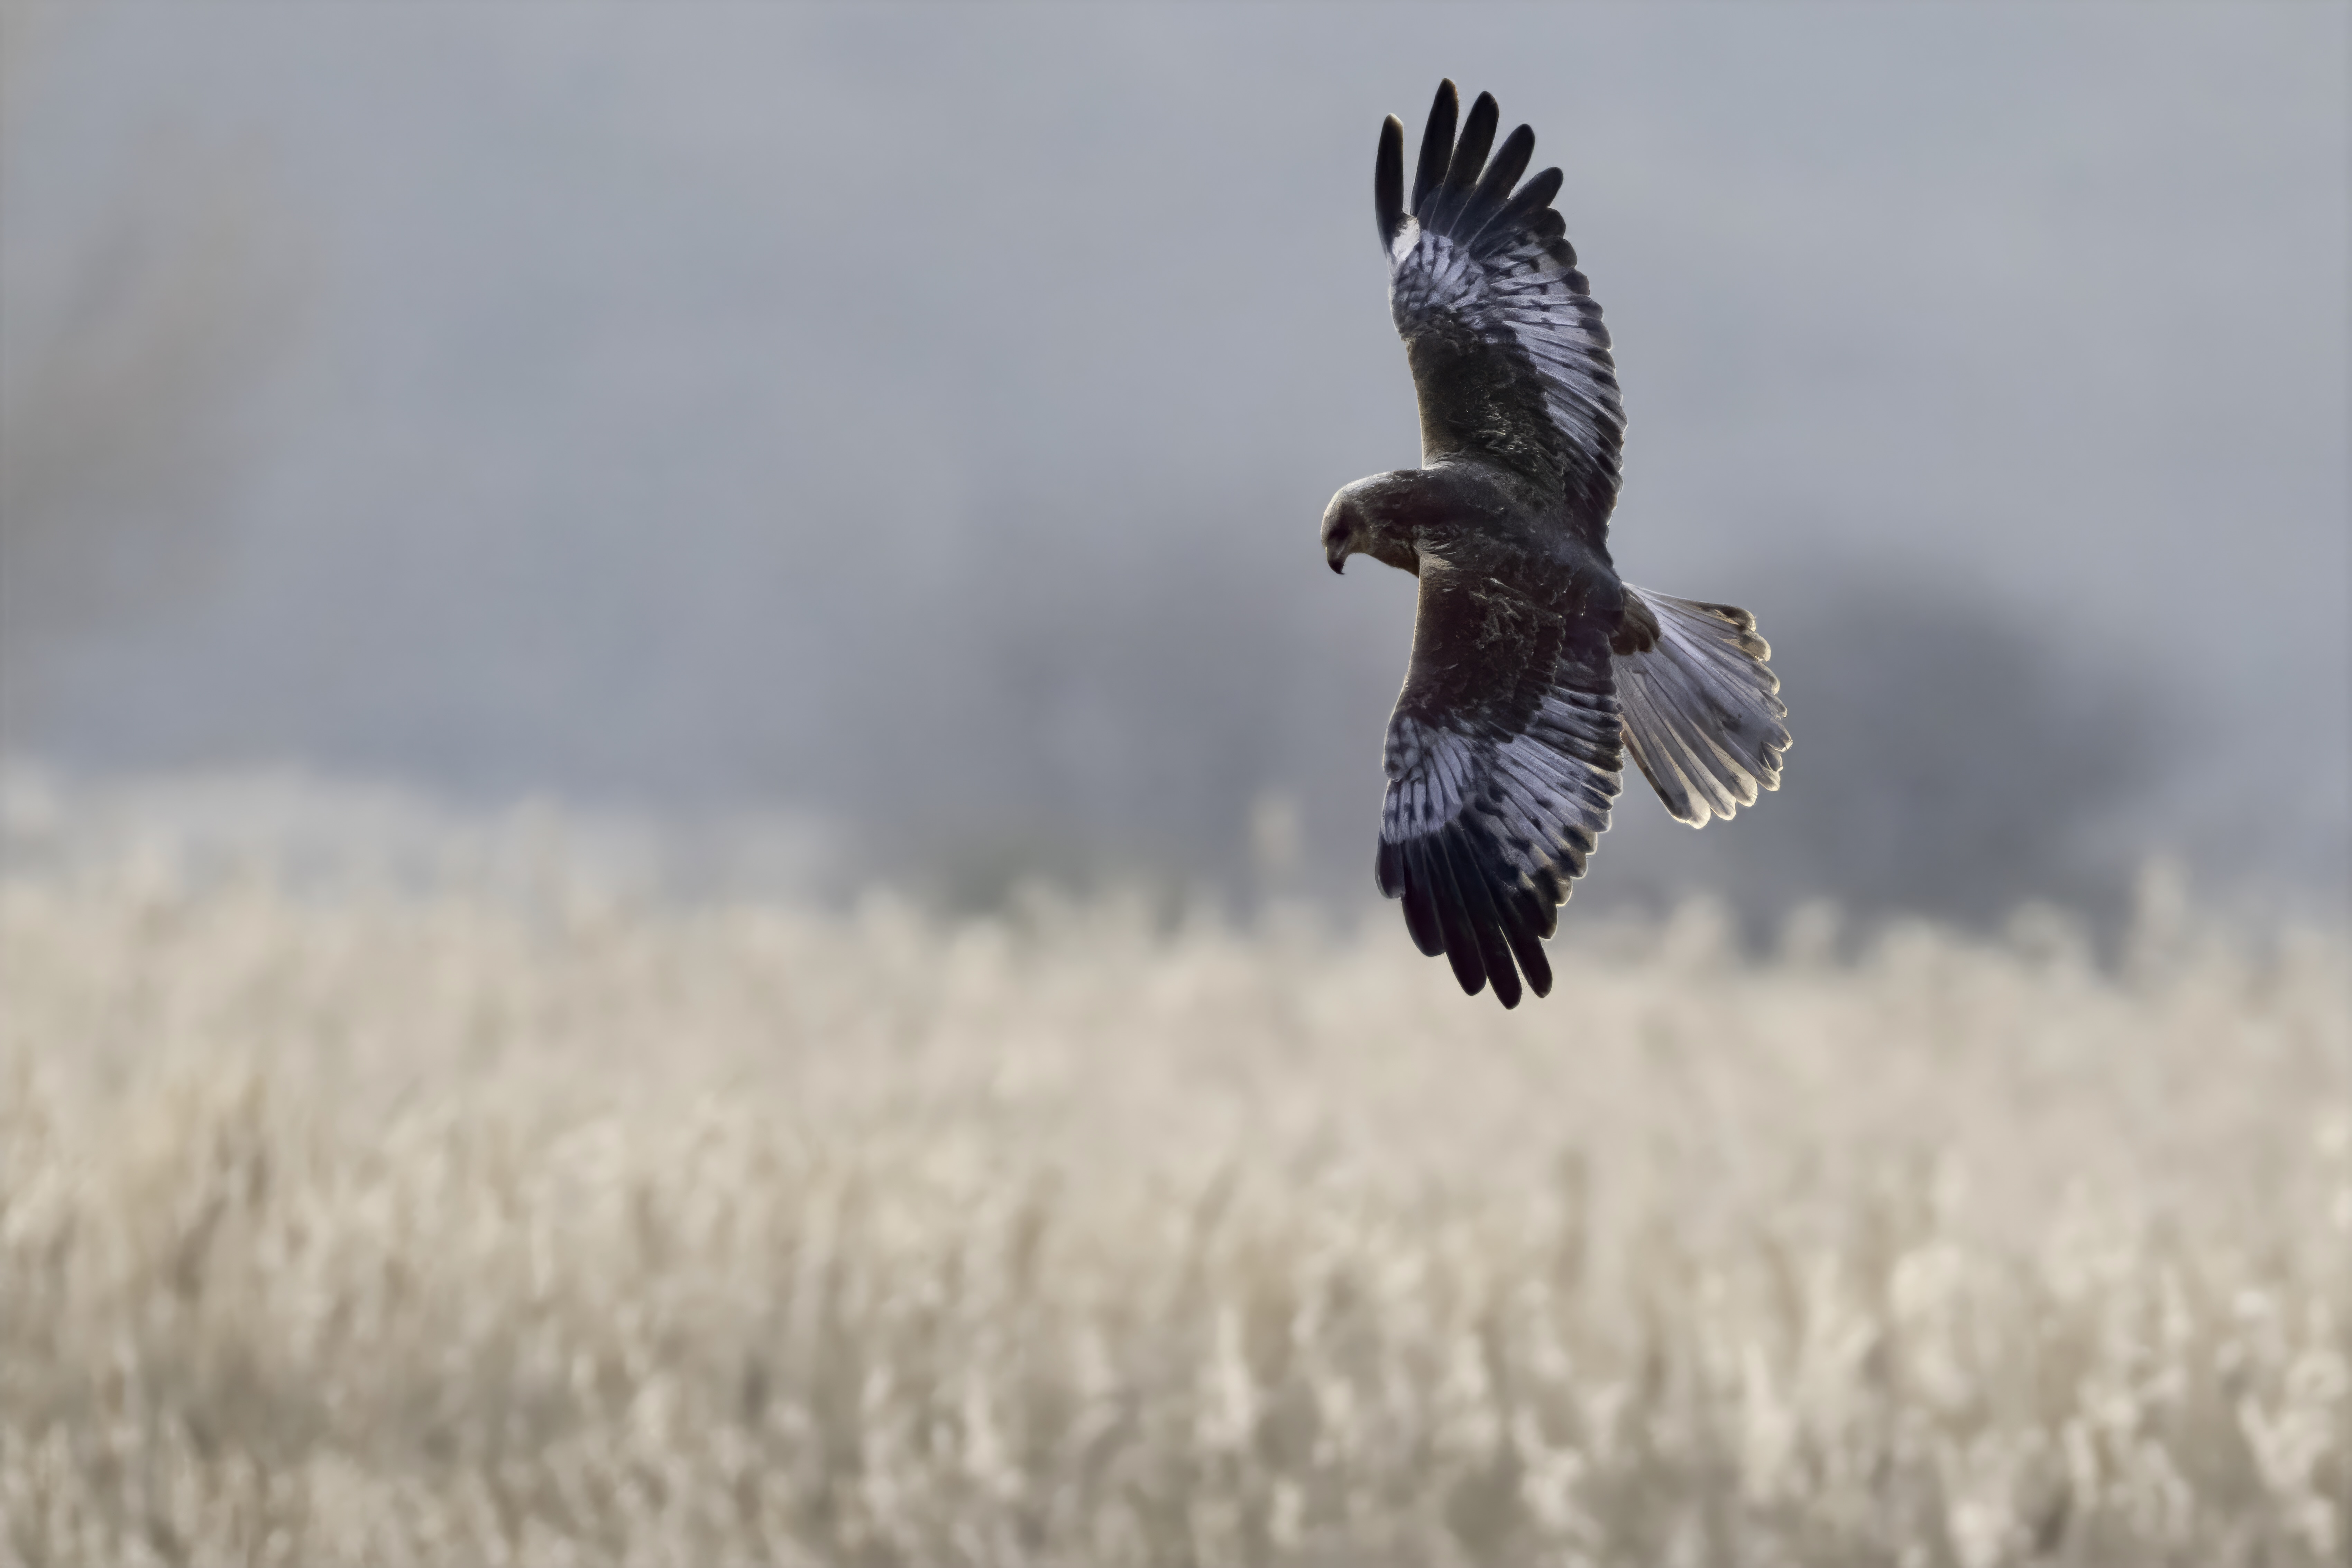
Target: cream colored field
455, 1231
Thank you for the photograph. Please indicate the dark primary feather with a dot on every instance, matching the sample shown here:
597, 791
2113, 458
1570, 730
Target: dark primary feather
1534, 198
1388, 179
1495, 186
1468, 159
1436, 144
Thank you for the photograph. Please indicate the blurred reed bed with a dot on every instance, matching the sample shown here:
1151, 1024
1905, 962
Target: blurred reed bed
451, 1228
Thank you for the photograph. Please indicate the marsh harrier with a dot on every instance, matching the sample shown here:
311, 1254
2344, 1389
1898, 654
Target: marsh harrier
1534, 668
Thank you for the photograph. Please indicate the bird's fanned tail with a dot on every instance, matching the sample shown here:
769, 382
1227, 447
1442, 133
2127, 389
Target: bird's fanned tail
1702, 717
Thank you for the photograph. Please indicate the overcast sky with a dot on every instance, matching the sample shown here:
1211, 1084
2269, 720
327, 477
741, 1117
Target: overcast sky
921, 416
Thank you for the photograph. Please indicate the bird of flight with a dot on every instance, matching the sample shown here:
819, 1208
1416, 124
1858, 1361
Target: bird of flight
1534, 668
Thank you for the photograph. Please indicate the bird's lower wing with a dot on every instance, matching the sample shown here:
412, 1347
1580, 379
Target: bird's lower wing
1503, 757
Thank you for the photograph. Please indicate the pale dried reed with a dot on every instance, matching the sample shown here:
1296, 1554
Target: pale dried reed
415, 1229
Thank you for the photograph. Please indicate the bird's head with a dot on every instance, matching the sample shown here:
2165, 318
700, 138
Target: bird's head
1372, 516
1339, 540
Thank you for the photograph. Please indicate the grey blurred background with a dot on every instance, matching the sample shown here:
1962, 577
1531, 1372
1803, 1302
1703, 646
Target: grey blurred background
913, 422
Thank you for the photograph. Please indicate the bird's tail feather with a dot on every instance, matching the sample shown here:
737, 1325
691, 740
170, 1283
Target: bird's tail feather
1700, 714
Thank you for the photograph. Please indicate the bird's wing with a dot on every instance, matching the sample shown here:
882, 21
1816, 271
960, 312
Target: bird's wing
1510, 357
1503, 755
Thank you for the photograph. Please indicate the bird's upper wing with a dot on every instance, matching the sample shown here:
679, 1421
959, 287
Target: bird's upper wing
1510, 357
1503, 755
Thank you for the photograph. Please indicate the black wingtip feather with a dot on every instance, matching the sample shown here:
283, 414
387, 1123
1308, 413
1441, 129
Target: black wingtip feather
1436, 145
1471, 879
1420, 906
1524, 925
1421, 922
1429, 868
1495, 188
1533, 197
1469, 159
1388, 179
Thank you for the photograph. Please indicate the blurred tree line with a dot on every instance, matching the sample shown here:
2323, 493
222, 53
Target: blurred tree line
127, 349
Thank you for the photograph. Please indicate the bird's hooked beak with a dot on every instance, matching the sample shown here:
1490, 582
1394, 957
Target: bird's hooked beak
1339, 533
